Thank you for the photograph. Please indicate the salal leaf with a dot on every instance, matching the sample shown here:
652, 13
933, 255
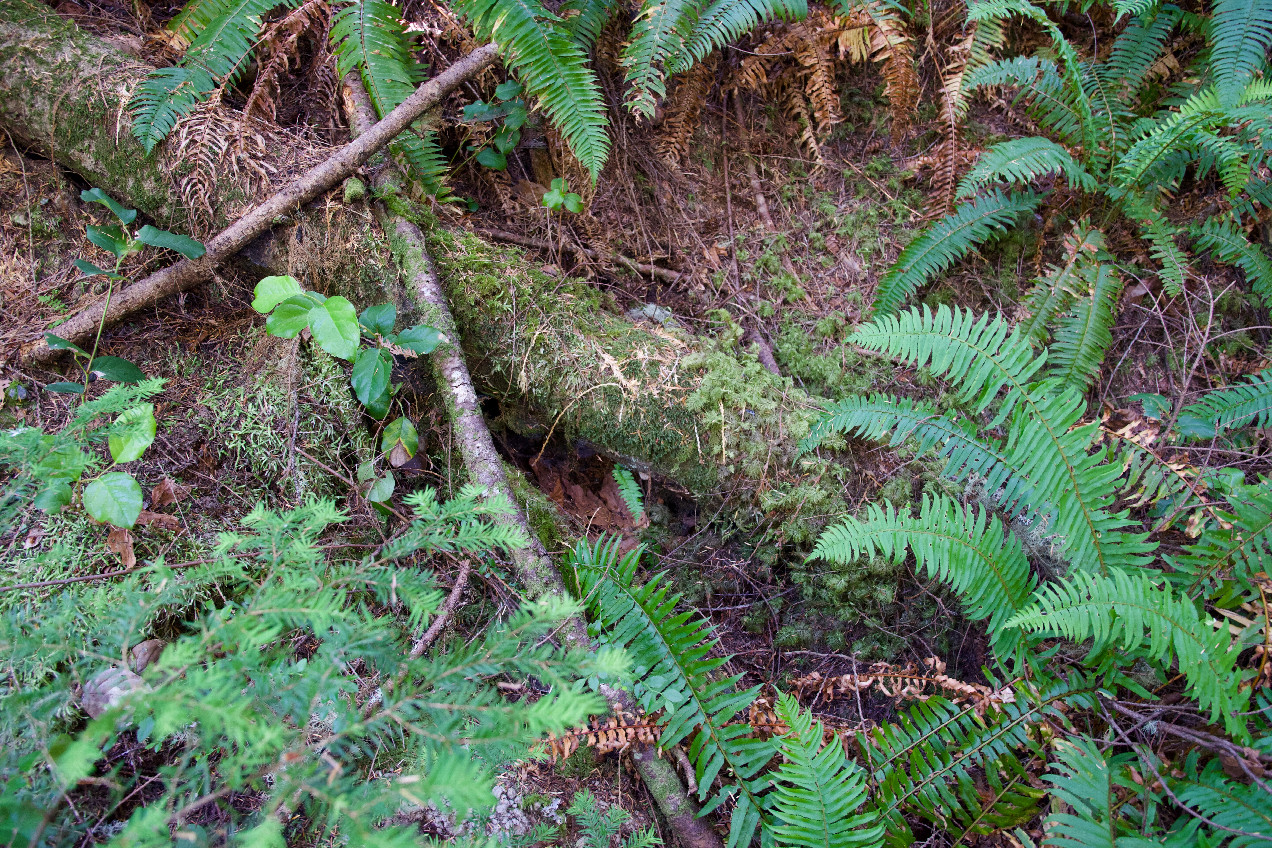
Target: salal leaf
114, 498
271, 291
335, 327
137, 435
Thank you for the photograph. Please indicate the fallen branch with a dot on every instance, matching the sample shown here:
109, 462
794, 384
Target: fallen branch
631, 264
314, 182
533, 565
445, 612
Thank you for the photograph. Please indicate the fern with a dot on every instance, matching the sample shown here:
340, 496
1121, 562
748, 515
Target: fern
584, 20
629, 489
1229, 245
1240, 35
1055, 291
893, 420
659, 33
1237, 547
919, 762
1045, 444
670, 652
817, 790
1160, 235
1023, 160
946, 241
221, 33
1177, 128
1228, 803
1239, 405
1086, 781
553, 68
966, 549
1128, 612
725, 21
1140, 45
369, 37
1084, 334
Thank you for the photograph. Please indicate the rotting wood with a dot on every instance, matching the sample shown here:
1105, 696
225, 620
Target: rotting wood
533, 564
321, 178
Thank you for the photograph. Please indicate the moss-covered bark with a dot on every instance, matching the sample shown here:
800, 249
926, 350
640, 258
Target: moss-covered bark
655, 398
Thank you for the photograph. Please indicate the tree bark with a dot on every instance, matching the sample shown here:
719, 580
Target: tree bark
548, 349
534, 566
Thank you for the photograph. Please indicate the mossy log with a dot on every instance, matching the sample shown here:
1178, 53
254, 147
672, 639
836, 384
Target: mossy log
655, 398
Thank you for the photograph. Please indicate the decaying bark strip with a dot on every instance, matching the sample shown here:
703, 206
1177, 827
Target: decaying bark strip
534, 566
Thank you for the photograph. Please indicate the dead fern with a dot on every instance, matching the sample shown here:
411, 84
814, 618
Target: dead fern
279, 48
684, 107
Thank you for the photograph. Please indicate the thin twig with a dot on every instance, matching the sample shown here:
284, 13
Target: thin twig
444, 612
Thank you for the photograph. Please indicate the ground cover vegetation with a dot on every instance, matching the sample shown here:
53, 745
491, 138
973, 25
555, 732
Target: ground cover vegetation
867, 443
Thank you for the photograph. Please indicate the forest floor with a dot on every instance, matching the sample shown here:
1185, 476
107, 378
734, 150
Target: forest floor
245, 417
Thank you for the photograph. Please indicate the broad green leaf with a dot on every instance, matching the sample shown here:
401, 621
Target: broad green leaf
381, 490
59, 343
419, 339
65, 388
119, 370
139, 435
507, 90
335, 327
573, 203
290, 317
506, 139
114, 498
186, 246
366, 470
371, 374
271, 291
379, 319
96, 195
89, 269
378, 406
110, 238
400, 433
53, 497
490, 158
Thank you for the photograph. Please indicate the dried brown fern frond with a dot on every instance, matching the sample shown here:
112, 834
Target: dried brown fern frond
890, 45
684, 107
279, 48
614, 733
797, 109
953, 111
813, 56
907, 682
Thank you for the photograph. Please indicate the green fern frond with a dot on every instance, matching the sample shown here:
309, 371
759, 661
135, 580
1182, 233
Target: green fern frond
1134, 7
965, 548
1040, 87
1164, 136
1240, 35
552, 67
670, 653
1229, 245
1084, 334
1055, 291
936, 744
725, 21
1238, 405
1230, 158
1228, 803
949, 239
1237, 551
222, 34
629, 490
1087, 782
659, 33
584, 19
1140, 45
817, 790
369, 36
1129, 613
1023, 160
1160, 235
1045, 444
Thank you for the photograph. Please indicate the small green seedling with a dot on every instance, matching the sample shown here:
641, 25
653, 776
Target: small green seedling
507, 108
560, 197
121, 242
370, 343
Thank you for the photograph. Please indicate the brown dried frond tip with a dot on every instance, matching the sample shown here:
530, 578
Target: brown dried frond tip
683, 110
907, 682
615, 733
279, 47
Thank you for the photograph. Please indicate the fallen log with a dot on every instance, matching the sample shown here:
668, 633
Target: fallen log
550, 350
534, 566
